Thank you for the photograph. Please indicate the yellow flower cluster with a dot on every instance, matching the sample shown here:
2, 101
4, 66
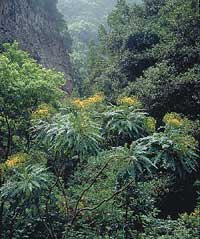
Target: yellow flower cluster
150, 124
97, 98
16, 159
130, 101
42, 112
173, 120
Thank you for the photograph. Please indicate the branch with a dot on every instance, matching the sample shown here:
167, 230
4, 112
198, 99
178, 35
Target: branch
104, 201
91, 184
63, 192
107, 199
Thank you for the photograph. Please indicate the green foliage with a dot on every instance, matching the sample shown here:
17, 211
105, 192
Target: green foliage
22, 74
186, 227
145, 170
172, 151
26, 183
150, 50
124, 125
83, 18
71, 172
72, 134
161, 90
107, 217
24, 85
99, 167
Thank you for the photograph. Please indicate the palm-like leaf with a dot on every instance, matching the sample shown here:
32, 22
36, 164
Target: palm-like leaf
125, 124
172, 151
26, 183
73, 134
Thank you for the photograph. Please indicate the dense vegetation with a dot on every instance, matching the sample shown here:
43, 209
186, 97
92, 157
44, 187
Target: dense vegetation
152, 51
121, 162
83, 18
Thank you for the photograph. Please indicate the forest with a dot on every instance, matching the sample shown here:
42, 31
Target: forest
119, 157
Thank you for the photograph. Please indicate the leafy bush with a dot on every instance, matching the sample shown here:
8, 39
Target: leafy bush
72, 134
24, 86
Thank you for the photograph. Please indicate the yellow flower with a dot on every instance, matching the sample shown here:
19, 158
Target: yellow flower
173, 120
97, 98
42, 112
130, 101
16, 159
79, 103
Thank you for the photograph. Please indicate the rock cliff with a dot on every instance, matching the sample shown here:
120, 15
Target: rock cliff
36, 24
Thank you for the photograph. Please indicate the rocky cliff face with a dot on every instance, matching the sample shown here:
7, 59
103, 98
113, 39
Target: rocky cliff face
35, 25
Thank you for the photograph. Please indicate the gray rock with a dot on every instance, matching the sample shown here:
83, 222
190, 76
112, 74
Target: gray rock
34, 24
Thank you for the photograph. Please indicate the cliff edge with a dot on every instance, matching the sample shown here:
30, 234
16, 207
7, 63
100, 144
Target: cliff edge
36, 25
